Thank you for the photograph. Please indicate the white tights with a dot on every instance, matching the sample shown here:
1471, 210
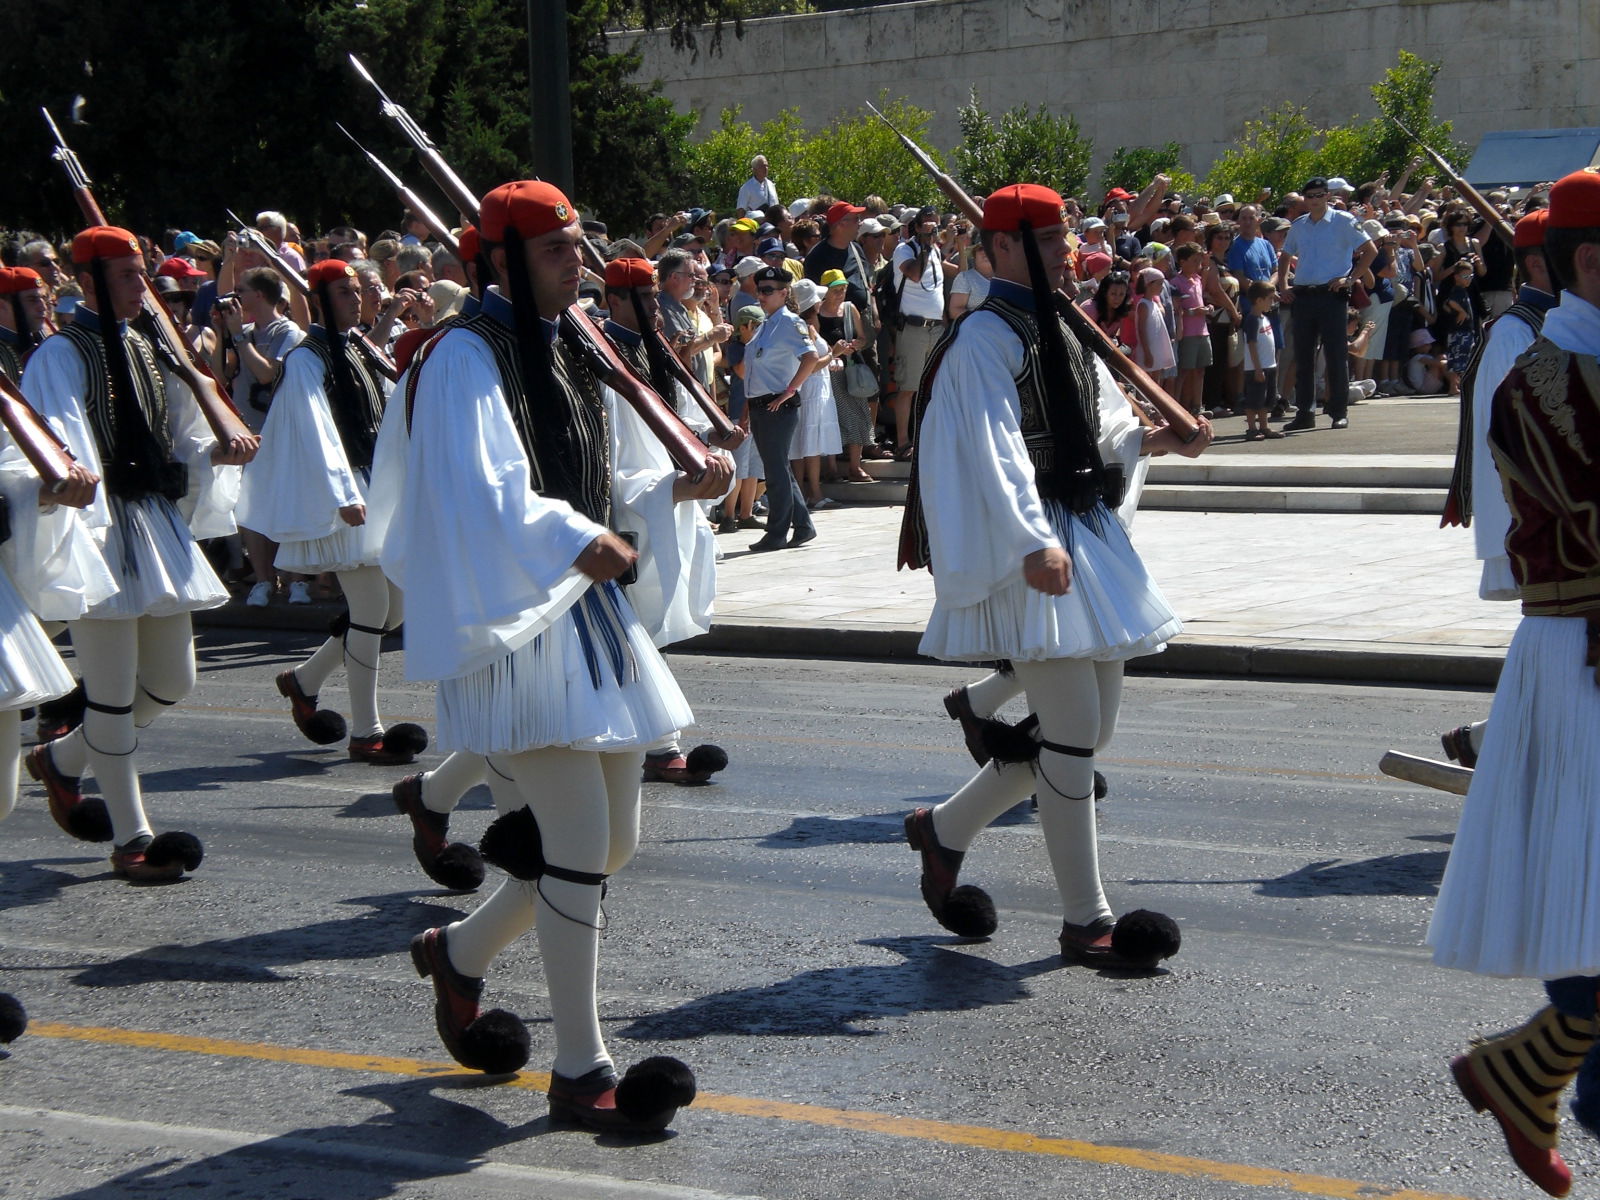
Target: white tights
142, 665
377, 604
1076, 701
587, 807
10, 759
443, 787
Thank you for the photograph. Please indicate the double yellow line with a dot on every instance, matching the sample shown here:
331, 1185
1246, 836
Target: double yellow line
943, 1132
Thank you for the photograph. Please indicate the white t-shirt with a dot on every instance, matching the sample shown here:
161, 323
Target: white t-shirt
920, 298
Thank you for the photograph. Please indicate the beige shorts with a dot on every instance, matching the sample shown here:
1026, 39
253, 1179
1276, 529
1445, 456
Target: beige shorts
911, 348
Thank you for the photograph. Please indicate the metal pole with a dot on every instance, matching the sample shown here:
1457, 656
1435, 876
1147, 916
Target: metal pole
549, 101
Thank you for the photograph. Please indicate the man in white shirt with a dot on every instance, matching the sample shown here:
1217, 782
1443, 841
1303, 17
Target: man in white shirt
919, 272
758, 191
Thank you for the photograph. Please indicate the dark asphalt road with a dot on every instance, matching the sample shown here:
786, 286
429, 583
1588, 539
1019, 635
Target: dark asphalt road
770, 932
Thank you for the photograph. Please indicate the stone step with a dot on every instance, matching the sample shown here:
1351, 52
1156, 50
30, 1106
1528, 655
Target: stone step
891, 491
1276, 470
1220, 498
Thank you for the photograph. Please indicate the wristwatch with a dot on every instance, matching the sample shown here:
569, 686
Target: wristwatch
240, 339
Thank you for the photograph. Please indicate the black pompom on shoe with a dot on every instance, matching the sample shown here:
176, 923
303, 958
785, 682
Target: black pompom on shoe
1144, 937
494, 1042
968, 912
320, 725
655, 1089
177, 847
705, 761
513, 843
406, 738
13, 1018
458, 867
497, 1043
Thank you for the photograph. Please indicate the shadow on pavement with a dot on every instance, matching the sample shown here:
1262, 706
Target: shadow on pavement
1416, 874
394, 919
933, 977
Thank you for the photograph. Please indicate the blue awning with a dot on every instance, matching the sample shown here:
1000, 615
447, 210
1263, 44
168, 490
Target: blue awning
1523, 157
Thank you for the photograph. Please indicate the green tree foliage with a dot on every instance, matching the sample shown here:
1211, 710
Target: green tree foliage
1024, 144
852, 157
1133, 167
1285, 148
238, 111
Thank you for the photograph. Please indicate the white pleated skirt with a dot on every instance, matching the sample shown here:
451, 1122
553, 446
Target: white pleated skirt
592, 681
31, 671
818, 431
1114, 610
156, 562
1518, 892
345, 549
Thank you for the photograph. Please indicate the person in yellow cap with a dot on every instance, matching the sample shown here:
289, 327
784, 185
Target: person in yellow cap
166, 482
503, 543
1516, 895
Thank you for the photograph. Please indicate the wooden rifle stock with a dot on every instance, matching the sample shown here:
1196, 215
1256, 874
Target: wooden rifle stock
688, 452
721, 427
33, 435
1178, 418
1466, 191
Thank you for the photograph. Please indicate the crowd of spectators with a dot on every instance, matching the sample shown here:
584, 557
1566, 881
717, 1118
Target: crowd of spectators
851, 297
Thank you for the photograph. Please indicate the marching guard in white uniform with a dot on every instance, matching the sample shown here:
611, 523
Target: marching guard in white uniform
129, 418
1023, 447
503, 545
307, 491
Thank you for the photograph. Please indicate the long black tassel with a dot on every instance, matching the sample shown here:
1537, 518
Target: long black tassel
550, 420
661, 377
27, 337
350, 409
137, 454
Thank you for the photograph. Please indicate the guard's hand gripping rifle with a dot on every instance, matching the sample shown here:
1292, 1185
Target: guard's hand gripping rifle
235, 440
257, 242
578, 329
1464, 189
1180, 419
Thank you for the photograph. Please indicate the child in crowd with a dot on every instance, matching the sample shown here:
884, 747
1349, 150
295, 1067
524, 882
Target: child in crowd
1260, 362
1194, 338
1425, 371
739, 508
1154, 350
1461, 313
817, 435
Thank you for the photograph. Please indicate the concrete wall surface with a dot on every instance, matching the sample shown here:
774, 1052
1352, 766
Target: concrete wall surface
1143, 72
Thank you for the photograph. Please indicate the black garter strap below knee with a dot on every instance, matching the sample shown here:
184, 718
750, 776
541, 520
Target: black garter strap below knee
1074, 751
349, 624
156, 698
589, 878
115, 710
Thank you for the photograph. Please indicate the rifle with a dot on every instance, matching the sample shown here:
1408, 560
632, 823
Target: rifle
432, 161
215, 404
385, 366
721, 427
1464, 189
46, 452
1180, 419
410, 199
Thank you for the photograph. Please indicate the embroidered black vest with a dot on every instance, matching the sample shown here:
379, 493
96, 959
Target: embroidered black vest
10, 361
145, 473
589, 441
357, 423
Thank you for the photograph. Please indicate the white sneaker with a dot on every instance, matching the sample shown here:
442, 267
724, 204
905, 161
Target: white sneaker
259, 595
299, 592
824, 502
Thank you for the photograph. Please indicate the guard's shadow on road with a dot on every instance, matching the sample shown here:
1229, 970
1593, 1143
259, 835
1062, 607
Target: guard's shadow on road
24, 884
833, 1001
381, 804
431, 1130
264, 766
1416, 874
387, 925
871, 829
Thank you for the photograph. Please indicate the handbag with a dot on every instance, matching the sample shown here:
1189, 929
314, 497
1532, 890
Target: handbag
859, 379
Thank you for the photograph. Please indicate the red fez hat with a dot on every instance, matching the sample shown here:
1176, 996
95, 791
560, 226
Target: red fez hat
530, 206
1530, 230
1575, 201
180, 268
1005, 210
103, 241
629, 273
468, 241
19, 279
329, 270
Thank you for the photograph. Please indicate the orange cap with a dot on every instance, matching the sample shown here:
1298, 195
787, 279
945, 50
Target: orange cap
530, 206
104, 241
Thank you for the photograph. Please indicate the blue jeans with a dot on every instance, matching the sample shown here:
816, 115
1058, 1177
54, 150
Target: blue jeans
1576, 997
774, 434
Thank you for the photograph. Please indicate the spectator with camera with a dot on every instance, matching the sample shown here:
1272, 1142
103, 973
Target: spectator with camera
920, 270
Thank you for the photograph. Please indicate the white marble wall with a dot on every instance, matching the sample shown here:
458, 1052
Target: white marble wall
1207, 65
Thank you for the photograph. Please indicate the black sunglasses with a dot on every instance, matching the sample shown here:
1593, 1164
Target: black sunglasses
768, 289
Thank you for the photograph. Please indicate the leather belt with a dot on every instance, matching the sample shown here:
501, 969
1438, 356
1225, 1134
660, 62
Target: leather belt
910, 320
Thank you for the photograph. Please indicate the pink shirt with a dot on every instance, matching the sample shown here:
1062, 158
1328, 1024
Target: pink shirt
1190, 299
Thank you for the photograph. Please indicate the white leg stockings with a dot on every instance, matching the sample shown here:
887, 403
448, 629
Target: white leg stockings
375, 603
10, 759
443, 787
989, 695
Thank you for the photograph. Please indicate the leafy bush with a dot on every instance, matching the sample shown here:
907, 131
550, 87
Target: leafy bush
1024, 145
1133, 167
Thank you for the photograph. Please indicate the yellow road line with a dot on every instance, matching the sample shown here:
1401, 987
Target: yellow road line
944, 1132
